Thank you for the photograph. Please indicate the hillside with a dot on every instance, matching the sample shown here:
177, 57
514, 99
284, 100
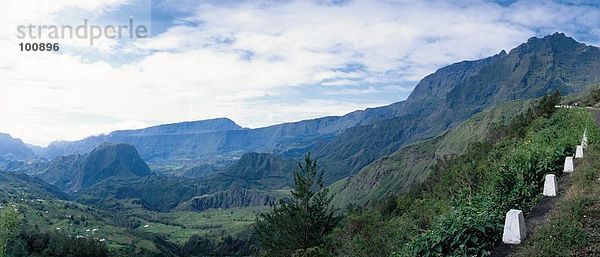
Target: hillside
411, 165
21, 186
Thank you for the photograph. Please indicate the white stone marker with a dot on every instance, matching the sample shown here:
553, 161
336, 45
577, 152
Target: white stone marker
550, 188
579, 152
514, 227
569, 165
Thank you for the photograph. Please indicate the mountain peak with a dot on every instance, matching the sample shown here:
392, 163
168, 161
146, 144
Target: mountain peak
14, 148
557, 42
110, 160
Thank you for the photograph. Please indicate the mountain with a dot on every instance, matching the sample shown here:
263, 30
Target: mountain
107, 161
374, 152
255, 179
454, 93
60, 171
256, 170
74, 172
345, 144
13, 149
177, 142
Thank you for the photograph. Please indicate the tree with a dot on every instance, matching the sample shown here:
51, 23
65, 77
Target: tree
300, 222
547, 104
9, 225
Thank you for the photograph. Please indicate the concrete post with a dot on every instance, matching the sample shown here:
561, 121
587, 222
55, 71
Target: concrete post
514, 227
569, 167
579, 152
550, 188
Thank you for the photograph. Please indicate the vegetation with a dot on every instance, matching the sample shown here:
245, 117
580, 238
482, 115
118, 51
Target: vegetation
411, 165
573, 225
54, 244
475, 190
298, 226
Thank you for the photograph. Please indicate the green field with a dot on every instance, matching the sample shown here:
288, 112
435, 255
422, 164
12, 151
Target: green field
141, 227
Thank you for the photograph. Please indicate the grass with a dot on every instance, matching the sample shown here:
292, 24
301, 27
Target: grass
572, 229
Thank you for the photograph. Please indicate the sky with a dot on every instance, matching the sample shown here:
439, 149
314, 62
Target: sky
256, 62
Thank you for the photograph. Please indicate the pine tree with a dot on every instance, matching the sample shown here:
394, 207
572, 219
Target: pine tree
300, 222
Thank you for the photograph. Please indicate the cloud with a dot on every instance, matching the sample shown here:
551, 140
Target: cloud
257, 62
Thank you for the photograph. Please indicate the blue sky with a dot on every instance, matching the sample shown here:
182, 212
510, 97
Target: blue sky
257, 62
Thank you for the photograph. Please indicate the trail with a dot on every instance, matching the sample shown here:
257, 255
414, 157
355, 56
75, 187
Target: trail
540, 213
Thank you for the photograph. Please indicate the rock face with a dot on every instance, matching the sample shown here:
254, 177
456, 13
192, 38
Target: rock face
61, 170
234, 197
75, 172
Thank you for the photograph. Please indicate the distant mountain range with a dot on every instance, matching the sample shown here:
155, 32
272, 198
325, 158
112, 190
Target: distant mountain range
347, 143
344, 145
13, 149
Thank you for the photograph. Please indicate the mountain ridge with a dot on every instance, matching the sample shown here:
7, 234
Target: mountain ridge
345, 144
14, 148
454, 93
